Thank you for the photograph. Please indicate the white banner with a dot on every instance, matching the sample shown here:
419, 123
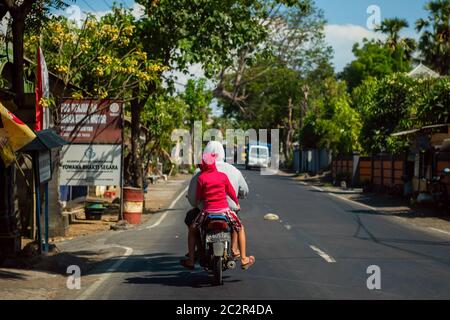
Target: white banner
91, 165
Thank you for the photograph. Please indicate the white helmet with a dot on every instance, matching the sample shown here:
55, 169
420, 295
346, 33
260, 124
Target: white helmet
217, 148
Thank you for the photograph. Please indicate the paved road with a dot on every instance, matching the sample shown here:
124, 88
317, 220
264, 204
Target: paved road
320, 249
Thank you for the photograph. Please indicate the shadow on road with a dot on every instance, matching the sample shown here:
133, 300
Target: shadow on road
11, 275
166, 270
398, 244
152, 211
391, 206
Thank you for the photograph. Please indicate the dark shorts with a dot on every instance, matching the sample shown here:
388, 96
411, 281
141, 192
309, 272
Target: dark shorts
191, 215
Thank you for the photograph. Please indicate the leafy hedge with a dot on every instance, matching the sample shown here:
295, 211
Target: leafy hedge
396, 103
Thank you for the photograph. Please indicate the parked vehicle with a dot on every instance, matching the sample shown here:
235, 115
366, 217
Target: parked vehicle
216, 255
258, 156
439, 192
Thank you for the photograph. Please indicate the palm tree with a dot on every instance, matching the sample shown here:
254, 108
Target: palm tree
392, 28
434, 43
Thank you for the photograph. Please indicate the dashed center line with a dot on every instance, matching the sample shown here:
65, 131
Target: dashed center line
323, 254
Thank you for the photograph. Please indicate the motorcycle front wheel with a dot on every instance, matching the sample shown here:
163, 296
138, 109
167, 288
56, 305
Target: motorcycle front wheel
217, 271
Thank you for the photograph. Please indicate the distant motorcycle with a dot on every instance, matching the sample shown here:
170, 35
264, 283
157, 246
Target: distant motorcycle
216, 255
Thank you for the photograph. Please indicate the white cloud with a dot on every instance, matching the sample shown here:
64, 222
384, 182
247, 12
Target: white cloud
195, 71
76, 14
342, 38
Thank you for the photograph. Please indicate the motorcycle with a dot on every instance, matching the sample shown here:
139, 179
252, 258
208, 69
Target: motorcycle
216, 255
438, 190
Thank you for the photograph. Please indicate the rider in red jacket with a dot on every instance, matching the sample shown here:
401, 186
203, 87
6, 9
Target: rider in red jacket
212, 189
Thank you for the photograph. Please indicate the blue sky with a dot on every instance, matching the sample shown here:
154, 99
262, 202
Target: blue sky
354, 11
347, 22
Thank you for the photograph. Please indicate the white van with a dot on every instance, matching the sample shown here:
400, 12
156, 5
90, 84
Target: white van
258, 157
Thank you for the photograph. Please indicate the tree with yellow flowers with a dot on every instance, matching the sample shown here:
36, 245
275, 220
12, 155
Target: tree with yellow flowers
101, 57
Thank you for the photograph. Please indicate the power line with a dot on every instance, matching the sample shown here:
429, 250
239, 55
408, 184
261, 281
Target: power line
89, 6
107, 4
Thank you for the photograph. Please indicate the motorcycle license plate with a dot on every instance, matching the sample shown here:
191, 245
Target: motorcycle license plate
221, 236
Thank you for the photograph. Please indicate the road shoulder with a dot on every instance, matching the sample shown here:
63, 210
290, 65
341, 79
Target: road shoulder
424, 218
46, 277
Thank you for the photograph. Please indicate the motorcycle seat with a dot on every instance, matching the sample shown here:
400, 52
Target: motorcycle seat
217, 217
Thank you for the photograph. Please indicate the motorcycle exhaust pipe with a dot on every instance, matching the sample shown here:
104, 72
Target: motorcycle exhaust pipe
231, 265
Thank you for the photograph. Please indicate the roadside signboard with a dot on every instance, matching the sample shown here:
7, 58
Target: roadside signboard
94, 130
91, 121
45, 166
91, 165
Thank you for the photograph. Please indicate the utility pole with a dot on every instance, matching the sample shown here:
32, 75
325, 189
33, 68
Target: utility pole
303, 108
288, 128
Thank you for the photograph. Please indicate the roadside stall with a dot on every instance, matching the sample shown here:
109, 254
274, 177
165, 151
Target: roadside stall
41, 149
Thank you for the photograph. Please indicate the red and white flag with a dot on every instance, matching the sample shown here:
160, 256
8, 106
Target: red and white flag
42, 92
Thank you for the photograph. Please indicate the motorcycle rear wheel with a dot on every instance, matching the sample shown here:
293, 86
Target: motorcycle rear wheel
217, 271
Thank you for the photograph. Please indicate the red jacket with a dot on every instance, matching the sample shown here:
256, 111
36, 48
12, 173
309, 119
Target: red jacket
213, 187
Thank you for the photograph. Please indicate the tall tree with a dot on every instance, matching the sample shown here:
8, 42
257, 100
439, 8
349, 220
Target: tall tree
434, 44
392, 28
294, 37
330, 122
179, 33
385, 106
373, 60
105, 58
198, 99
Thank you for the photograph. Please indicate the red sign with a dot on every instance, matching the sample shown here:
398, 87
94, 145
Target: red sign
92, 121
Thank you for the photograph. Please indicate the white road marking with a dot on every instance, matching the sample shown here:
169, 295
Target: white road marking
303, 183
342, 198
439, 230
157, 223
128, 251
89, 291
354, 202
288, 227
323, 254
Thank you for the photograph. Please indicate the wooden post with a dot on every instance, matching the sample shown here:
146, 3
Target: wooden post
372, 168
393, 170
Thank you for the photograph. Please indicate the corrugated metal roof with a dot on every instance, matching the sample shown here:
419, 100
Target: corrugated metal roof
45, 140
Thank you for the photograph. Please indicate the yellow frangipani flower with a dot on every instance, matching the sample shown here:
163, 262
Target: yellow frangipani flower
62, 69
99, 71
77, 95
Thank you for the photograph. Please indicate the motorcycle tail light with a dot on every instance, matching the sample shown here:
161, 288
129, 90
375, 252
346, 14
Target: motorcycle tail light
217, 225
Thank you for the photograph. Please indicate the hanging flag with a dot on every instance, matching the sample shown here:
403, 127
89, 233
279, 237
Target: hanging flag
42, 93
14, 134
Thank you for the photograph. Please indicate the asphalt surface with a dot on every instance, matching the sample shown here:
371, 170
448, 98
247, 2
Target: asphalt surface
320, 249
